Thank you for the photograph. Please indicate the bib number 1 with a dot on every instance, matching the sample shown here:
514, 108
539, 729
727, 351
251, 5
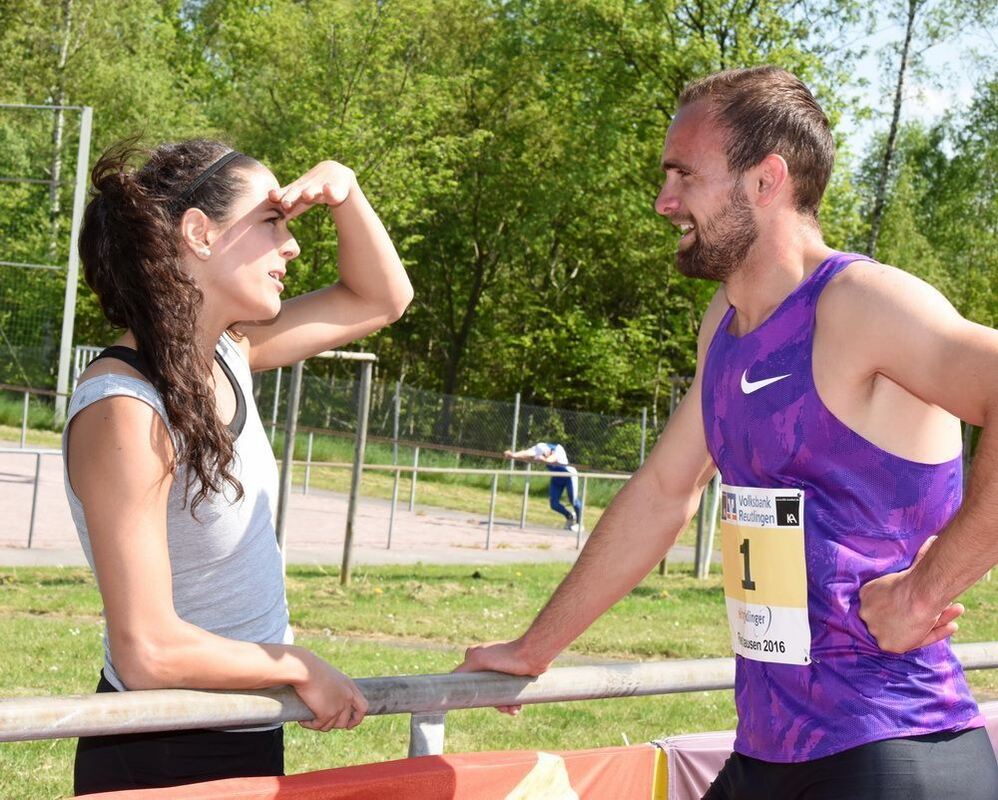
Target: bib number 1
765, 574
747, 582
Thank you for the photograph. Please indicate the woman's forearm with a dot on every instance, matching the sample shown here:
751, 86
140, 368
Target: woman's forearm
184, 656
369, 264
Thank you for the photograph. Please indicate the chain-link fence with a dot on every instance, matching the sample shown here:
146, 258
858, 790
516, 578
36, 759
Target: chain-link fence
465, 424
40, 148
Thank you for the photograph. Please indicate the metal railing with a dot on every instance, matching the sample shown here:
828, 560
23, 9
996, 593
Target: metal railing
702, 558
426, 697
27, 391
37, 453
495, 473
706, 515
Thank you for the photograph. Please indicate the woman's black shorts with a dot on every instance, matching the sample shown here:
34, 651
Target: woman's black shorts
172, 758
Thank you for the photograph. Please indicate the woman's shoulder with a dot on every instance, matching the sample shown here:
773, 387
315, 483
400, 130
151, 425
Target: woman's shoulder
108, 379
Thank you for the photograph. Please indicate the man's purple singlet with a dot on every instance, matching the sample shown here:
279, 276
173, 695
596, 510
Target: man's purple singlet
865, 513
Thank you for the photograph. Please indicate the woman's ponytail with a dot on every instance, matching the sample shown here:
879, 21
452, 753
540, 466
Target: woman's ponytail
130, 249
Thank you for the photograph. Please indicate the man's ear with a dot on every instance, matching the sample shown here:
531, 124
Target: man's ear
195, 232
768, 179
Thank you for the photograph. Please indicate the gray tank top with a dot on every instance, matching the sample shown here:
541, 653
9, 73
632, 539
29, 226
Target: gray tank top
228, 575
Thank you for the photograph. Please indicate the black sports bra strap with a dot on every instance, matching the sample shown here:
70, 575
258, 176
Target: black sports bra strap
136, 362
126, 354
238, 421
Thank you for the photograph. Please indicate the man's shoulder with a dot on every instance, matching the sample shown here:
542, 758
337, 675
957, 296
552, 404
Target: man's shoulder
868, 293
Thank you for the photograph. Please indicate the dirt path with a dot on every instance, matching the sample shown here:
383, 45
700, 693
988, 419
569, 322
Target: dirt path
316, 526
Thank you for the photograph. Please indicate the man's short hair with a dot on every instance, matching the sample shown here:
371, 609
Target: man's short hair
769, 110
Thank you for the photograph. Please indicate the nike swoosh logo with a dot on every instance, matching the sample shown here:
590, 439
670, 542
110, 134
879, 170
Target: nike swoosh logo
754, 386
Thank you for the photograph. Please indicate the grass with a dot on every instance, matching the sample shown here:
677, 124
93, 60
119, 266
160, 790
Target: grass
407, 620
34, 437
41, 411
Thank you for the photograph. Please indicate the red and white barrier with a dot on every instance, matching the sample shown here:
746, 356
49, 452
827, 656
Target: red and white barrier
676, 768
513, 775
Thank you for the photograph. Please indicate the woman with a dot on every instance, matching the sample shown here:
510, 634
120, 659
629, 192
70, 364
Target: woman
169, 474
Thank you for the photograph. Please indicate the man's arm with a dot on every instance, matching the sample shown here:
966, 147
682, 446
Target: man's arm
911, 335
637, 529
522, 455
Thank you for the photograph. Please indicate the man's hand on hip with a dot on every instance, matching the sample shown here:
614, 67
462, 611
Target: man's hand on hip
897, 618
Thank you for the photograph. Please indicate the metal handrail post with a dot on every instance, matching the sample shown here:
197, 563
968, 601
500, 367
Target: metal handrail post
715, 502
308, 463
363, 410
526, 497
273, 411
582, 512
73, 267
492, 510
34, 498
412, 485
516, 426
397, 414
701, 519
426, 734
24, 420
287, 466
391, 513
644, 434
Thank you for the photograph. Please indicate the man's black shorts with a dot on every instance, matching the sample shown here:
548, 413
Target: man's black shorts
954, 766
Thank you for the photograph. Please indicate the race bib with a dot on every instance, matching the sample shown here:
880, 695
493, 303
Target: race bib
765, 575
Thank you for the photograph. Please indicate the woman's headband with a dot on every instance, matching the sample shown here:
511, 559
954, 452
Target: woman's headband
211, 170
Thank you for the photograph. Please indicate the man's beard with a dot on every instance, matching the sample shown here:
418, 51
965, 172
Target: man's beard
722, 242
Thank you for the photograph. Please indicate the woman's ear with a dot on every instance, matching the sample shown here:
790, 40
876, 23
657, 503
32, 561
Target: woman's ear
195, 230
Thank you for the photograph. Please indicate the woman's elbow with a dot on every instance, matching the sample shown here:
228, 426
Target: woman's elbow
144, 664
400, 303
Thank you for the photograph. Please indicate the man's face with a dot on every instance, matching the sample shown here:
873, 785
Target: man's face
704, 199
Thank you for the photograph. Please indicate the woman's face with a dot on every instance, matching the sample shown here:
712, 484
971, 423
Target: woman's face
243, 277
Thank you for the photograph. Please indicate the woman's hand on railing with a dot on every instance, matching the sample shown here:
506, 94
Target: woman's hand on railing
332, 697
499, 657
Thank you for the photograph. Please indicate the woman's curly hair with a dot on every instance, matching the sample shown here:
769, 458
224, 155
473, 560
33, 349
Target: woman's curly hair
130, 248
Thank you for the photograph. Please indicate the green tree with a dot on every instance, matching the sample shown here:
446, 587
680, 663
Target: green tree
940, 217
926, 23
124, 58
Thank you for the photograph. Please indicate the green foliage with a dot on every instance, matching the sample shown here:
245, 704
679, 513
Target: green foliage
510, 146
941, 218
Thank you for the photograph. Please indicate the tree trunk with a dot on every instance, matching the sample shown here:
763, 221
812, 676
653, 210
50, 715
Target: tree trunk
655, 395
58, 128
885, 167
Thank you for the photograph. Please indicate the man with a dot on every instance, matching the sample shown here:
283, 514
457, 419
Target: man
554, 457
827, 393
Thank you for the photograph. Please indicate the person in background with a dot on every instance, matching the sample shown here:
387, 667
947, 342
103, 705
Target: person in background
554, 457
170, 476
